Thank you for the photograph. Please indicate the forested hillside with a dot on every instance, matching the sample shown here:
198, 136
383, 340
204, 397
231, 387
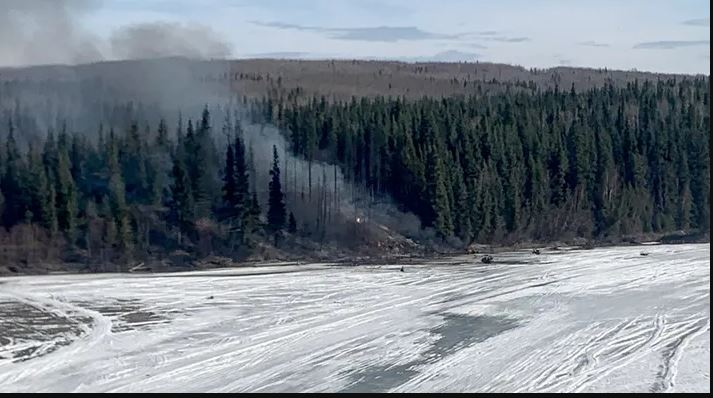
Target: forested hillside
604, 162
118, 181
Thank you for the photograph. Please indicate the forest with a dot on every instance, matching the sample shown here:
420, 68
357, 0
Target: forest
533, 164
599, 163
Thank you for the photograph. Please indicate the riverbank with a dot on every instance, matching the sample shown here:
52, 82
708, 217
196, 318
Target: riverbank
268, 255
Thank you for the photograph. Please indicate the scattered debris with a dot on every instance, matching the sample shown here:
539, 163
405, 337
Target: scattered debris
140, 267
477, 248
588, 245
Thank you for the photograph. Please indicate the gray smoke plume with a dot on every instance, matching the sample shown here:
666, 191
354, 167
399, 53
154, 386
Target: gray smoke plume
163, 75
35, 32
165, 39
45, 32
323, 198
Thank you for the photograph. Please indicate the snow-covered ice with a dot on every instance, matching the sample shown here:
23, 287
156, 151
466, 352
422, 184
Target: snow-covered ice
600, 320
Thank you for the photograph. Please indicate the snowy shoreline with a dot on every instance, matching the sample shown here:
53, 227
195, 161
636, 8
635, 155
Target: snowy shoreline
203, 264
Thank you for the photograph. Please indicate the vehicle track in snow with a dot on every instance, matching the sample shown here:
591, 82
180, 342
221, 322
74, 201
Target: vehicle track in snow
594, 320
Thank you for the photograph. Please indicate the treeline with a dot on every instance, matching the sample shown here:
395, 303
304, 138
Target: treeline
605, 162
540, 165
126, 195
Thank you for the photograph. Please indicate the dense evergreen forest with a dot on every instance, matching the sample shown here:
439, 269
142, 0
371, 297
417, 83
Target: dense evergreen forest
535, 164
541, 165
128, 195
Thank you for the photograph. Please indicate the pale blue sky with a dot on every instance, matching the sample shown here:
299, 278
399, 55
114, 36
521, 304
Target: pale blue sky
653, 35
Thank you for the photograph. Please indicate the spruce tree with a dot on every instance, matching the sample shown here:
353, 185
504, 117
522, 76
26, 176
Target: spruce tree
181, 203
204, 174
254, 211
462, 227
276, 206
242, 180
242, 189
40, 195
292, 224
66, 194
12, 183
117, 200
229, 188
683, 214
132, 157
437, 195
162, 140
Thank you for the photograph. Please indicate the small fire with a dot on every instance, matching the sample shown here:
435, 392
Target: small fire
358, 220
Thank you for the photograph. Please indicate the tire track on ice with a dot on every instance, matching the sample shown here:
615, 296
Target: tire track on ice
656, 341
672, 357
96, 333
311, 328
572, 364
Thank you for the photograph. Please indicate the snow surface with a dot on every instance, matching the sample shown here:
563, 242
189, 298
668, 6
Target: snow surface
602, 320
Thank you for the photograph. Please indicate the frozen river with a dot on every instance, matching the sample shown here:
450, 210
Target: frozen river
599, 320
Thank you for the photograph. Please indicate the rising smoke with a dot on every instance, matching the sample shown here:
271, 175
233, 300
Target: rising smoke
41, 32
36, 32
48, 32
164, 39
320, 196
